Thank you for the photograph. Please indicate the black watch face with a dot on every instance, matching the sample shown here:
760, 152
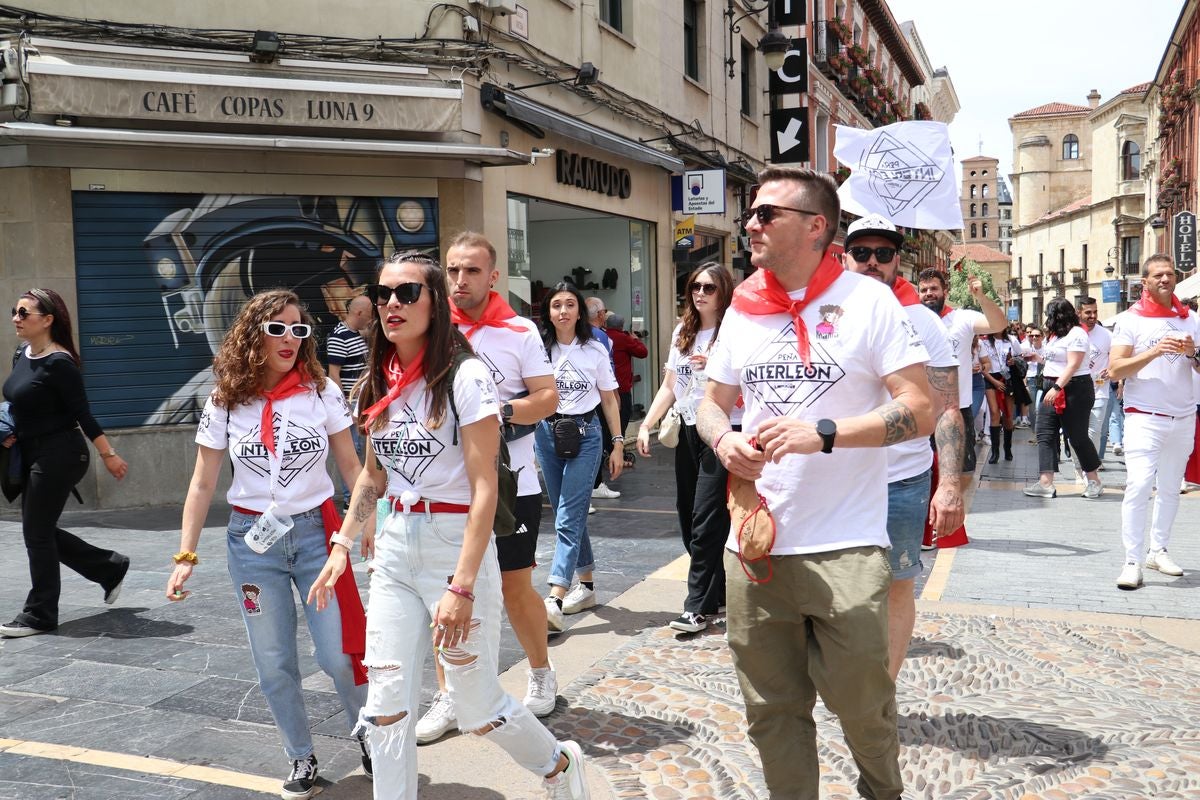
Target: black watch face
826, 427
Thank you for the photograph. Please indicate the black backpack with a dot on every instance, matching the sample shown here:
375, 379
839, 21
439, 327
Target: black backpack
505, 522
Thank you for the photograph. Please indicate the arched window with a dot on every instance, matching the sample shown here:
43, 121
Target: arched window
972, 209
985, 172
1131, 161
973, 189
984, 229
985, 190
972, 173
985, 211
1070, 147
974, 231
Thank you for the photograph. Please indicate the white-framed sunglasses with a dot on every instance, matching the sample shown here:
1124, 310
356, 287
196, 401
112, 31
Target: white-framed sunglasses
298, 330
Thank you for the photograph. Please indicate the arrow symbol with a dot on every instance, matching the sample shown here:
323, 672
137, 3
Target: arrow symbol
788, 138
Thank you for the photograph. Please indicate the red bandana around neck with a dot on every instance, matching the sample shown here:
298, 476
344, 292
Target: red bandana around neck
762, 293
946, 311
290, 385
494, 316
1148, 307
905, 292
397, 379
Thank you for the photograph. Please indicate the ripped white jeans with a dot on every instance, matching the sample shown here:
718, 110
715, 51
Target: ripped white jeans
415, 554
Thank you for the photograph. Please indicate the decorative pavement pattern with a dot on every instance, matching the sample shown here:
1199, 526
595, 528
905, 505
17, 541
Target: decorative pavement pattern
1027, 710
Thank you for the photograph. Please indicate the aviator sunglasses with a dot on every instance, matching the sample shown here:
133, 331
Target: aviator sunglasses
883, 255
703, 288
405, 293
22, 313
298, 330
767, 212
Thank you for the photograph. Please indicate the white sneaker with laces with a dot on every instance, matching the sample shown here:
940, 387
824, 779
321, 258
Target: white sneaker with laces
1094, 489
571, 783
1159, 560
554, 614
580, 598
438, 720
1131, 576
602, 492
541, 691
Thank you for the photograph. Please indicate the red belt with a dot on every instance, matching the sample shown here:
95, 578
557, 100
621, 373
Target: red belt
247, 511
1132, 410
432, 508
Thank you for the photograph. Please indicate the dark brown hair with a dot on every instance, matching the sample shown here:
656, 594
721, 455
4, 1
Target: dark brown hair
933, 274
689, 325
50, 302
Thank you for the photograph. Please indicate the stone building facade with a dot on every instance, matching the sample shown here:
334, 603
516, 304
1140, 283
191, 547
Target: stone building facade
980, 201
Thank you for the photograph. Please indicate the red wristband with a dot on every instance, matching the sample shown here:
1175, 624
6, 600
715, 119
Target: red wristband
717, 443
461, 592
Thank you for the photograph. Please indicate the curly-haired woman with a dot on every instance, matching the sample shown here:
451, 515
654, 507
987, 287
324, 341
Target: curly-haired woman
279, 417
49, 407
434, 420
699, 476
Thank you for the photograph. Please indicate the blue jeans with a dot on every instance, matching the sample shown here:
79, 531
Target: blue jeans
1116, 421
977, 393
569, 486
908, 508
262, 584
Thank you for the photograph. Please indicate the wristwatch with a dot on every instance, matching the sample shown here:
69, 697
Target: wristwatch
506, 411
827, 430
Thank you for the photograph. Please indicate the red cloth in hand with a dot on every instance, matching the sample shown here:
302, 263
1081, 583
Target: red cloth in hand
1060, 401
956, 539
350, 607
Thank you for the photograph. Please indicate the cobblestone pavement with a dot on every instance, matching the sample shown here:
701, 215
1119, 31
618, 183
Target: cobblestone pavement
988, 708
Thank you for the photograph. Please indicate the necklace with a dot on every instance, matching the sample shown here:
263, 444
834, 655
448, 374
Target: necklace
39, 352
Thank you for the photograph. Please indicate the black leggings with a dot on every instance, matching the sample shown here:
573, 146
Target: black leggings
1081, 393
53, 465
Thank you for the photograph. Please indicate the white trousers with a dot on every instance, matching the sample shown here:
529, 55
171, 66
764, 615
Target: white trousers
414, 554
1156, 455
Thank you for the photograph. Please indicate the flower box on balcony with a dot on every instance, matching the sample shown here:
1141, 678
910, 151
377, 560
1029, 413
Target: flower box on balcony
857, 55
841, 30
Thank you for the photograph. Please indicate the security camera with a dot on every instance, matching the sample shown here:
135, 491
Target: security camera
10, 64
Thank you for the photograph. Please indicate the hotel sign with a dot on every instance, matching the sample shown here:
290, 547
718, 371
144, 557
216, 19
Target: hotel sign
1184, 240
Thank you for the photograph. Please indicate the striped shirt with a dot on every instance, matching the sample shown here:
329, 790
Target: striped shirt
347, 349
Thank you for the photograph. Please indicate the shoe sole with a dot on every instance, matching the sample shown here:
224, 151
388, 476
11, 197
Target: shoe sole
9, 633
315, 790
112, 594
1126, 587
553, 624
575, 756
1043, 496
1159, 570
429, 738
685, 628
540, 711
581, 607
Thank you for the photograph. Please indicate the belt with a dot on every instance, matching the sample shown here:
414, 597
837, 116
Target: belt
1132, 410
588, 417
247, 512
432, 508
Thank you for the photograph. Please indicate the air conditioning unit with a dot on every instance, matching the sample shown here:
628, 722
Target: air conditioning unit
499, 6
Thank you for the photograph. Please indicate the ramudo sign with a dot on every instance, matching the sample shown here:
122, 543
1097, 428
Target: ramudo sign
592, 174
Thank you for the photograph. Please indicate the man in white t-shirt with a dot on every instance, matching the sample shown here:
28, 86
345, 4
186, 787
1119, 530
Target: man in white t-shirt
962, 325
1154, 352
832, 372
511, 348
872, 249
1100, 341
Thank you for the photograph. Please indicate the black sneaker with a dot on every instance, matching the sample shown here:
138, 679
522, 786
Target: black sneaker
366, 755
302, 783
690, 622
16, 629
111, 595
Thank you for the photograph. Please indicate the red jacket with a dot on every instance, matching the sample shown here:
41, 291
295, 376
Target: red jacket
625, 348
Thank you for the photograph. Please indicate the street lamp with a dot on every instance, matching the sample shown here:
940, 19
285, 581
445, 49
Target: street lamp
773, 45
1113, 252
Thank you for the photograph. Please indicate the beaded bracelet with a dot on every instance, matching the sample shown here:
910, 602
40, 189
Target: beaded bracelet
461, 592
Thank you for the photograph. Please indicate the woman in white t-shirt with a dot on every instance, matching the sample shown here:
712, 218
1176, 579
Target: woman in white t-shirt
278, 417
700, 479
1065, 375
998, 351
587, 386
433, 417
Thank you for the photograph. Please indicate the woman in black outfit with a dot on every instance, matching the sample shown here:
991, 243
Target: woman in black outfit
49, 407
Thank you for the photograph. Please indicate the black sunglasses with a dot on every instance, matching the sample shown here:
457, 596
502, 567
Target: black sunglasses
22, 313
703, 288
766, 213
277, 329
406, 293
862, 255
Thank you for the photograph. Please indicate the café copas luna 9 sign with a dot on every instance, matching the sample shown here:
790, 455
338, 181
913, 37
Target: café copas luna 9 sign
1184, 241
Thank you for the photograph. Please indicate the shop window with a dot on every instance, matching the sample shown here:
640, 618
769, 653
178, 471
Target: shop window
693, 16
1131, 161
1070, 149
749, 88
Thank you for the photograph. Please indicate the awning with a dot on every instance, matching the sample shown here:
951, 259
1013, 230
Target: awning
514, 107
28, 132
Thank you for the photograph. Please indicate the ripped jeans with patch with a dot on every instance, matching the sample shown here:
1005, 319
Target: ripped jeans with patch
415, 553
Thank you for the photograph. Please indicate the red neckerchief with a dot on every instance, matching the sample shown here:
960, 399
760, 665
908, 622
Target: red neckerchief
397, 379
905, 292
1148, 307
350, 607
762, 293
287, 387
493, 316
946, 311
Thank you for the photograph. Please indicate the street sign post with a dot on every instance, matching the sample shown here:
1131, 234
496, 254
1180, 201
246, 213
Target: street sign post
704, 191
1110, 291
792, 77
1184, 241
789, 135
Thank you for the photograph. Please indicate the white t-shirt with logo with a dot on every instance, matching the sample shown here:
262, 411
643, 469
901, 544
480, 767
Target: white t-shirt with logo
303, 482
1164, 386
1100, 343
858, 333
580, 372
428, 461
1056, 348
1033, 368
511, 357
915, 456
681, 364
960, 329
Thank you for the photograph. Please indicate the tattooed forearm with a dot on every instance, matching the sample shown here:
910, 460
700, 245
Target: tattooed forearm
949, 433
899, 423
711, 421
366, 503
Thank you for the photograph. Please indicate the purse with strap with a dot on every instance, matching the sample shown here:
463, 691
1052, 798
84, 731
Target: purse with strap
751, 523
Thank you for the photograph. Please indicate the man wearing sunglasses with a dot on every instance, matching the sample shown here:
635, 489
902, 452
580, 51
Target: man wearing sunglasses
831, 373
872, 249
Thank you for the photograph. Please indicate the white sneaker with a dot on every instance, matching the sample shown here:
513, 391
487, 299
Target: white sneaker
571, 783
438, 720
1131, 576
602, 492
541, 691
591, 509
554, 614
1159, 560
1118, 450
1094, 489
580, 598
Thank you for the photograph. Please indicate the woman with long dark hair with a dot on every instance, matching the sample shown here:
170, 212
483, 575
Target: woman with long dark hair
586, 387
49, 409
433, 416
700, 477
1067, 400
277, 417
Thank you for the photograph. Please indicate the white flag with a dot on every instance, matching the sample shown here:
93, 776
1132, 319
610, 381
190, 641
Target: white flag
904, 171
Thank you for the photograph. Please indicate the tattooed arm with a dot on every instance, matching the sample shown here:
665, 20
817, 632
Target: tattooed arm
949, 435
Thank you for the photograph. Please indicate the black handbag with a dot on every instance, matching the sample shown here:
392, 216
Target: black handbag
568, 437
